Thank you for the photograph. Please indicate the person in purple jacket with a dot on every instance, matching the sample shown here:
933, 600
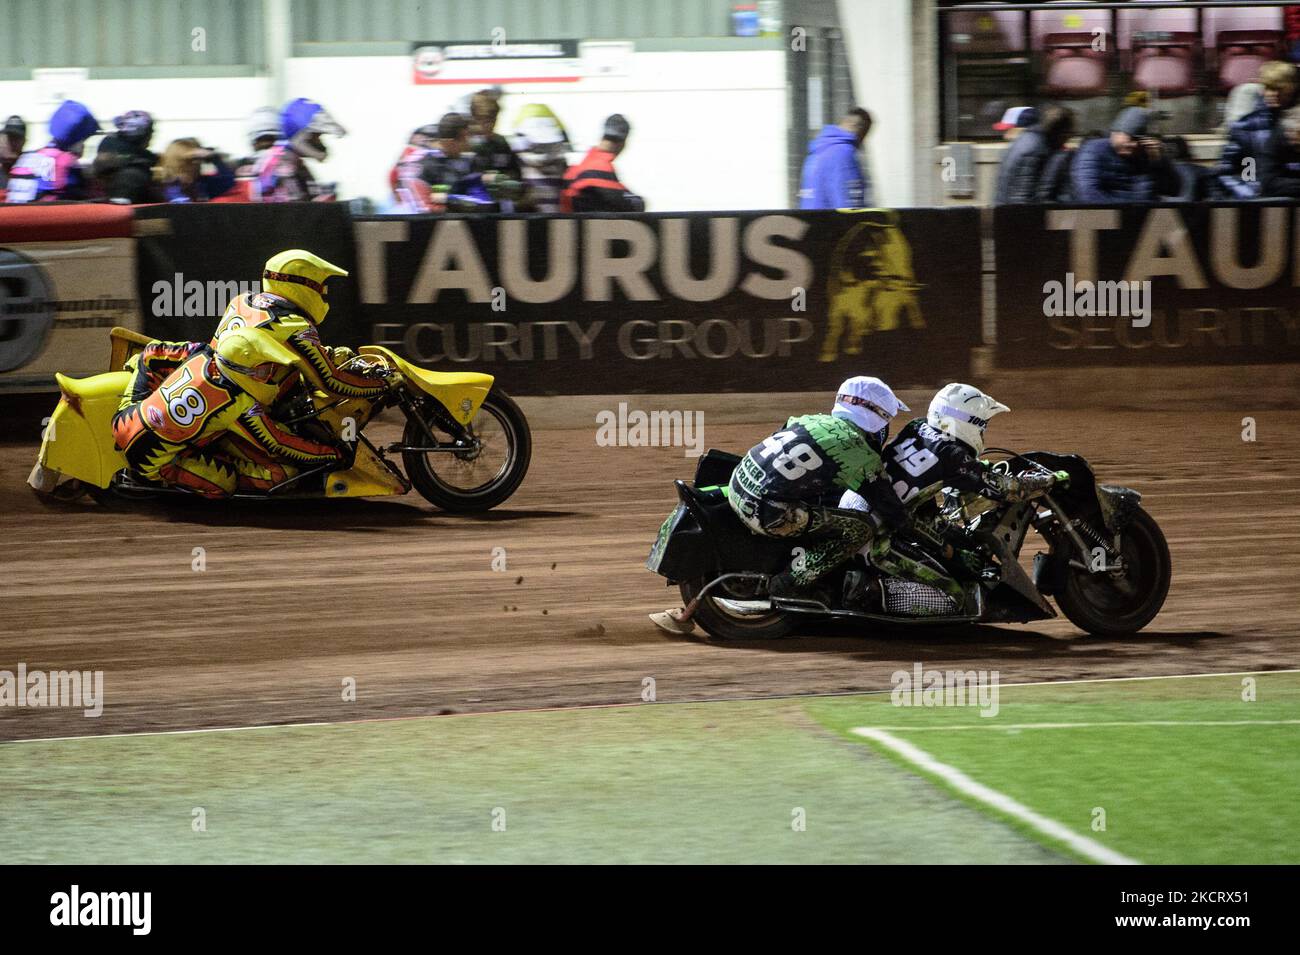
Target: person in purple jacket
54, 171
833, 176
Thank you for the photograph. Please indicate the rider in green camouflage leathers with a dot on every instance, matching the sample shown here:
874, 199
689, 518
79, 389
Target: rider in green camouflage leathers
790, 484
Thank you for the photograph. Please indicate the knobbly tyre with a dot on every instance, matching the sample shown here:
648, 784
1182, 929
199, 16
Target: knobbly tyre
465, 447
1107, 565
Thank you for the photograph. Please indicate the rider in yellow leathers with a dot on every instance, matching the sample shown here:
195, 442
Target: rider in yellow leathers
198, 415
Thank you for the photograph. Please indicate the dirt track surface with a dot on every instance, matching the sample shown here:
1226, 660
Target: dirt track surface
297, 598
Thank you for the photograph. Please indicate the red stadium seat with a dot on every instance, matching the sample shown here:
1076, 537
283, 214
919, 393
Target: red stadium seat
1072, 69
1164, 63
1242, 52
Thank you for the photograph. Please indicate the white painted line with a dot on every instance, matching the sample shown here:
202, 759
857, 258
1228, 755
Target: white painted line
193, 732
1126, 679
993, 725
1086, 847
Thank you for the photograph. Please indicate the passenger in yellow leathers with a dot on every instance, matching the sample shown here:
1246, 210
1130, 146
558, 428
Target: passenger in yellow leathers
196, 418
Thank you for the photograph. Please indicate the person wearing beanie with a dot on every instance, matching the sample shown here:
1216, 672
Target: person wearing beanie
593, 185
1022, 175
1128, 166
124, 163
13, 138
54, 171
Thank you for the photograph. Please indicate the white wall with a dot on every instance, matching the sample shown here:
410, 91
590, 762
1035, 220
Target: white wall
878, 35
708, 129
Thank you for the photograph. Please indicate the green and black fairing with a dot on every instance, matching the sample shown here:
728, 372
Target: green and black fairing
703, 538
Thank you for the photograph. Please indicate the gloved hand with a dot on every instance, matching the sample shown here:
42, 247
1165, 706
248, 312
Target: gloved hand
1062, 478
375, 369
1029, 482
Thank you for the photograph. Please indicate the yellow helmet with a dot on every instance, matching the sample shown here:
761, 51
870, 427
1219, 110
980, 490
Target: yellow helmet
299, 276
252, 360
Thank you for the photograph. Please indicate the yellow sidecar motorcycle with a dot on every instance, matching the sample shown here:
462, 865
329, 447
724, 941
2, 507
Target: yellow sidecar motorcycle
465, 446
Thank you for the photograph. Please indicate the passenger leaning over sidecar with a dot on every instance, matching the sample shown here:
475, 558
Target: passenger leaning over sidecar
194, 417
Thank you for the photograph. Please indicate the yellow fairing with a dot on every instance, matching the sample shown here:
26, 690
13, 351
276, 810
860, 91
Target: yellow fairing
368, 477
79, 441
460, 392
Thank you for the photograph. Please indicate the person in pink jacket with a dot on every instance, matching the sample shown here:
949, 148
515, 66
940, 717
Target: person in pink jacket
54, 171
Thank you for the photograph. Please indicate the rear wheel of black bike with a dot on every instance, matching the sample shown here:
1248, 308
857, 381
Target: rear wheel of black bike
735, 610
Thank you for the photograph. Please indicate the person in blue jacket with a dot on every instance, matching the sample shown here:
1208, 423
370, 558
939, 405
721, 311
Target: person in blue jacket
1128, 166
833, 177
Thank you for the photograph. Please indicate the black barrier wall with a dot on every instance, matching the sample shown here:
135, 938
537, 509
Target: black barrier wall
1220, 285
677, 303
756, 301
192, 259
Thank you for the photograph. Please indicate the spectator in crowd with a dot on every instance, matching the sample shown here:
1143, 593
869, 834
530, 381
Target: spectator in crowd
1195, 182
263, 131
1237, 171
123, 163
1127, 166
1279, 160
1022, 176
543, 147
281, 174
12, 140
1015, 121
1139, 98
54, 171
182, 177
404, 177
1242, 99
492, 153
833, 177
593, 185
448, 167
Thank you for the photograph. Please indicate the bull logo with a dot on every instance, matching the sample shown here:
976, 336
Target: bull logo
872, 287
26, 314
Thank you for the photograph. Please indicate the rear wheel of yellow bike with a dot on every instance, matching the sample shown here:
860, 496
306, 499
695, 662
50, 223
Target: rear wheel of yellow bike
482, 475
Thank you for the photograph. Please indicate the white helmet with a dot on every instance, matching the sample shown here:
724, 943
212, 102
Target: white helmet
264, 122
963, 411
870, 404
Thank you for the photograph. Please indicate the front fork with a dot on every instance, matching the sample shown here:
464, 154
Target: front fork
1095, 555
463, 438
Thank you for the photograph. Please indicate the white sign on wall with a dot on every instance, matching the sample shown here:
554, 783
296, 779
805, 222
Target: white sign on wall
496, 62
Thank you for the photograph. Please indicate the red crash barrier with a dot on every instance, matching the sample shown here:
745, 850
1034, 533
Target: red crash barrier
49, 222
